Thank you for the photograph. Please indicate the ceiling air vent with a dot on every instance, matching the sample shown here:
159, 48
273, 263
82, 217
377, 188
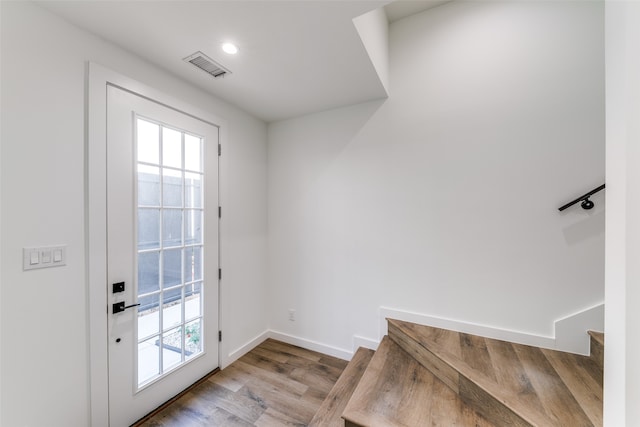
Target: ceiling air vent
207, 64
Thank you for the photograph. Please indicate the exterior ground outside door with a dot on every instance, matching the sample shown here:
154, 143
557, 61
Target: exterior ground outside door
162, 231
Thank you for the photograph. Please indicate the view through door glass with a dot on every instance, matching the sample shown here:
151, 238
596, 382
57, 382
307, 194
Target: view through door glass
170, 248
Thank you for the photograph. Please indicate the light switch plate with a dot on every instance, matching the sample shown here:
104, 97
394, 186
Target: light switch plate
44, 257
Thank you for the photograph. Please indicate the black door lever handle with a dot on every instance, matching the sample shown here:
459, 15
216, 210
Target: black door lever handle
119, 306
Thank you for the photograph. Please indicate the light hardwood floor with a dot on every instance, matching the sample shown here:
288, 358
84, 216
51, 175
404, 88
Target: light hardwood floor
275, 384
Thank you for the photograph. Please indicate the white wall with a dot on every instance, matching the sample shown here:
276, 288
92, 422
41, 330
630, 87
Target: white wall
44, 368
443, 199
622, 321
1, 234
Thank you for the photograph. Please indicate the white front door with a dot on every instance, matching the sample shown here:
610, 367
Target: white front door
162, 255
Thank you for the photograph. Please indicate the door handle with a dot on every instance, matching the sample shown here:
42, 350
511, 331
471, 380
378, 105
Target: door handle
119, 306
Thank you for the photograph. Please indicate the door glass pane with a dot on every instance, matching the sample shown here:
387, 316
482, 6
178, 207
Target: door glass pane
148, 142
148, 316
148, 229
192, 227
193, 190
171, 188
192, 338
172, 349
148, 185
192, 301
171, 227
172, 308
192, 153
148, 359
171, 148
171, 268
192, 264
170, 248
148, 272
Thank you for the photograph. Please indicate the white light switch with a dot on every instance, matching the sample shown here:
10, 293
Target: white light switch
43, 257
34, 257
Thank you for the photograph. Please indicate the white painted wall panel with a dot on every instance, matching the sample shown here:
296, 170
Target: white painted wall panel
622, 319
442, 200
44, 313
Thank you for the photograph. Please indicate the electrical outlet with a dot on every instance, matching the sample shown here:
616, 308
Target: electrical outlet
292, 315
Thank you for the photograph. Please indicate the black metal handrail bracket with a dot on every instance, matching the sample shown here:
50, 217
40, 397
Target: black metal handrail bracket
586, 203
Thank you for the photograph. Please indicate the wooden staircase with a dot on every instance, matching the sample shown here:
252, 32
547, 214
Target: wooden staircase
424, 376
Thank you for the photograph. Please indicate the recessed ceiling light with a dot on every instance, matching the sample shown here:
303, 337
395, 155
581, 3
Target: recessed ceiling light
230, 48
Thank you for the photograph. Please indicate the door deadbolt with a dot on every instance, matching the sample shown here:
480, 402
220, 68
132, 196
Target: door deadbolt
118, 287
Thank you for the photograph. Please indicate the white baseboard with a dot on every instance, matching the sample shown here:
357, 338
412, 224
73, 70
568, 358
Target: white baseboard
246, 348
312, 345
464, 327
300, 342
359, 341
571, 331
570, 334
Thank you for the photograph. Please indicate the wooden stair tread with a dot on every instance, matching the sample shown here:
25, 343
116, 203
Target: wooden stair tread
396, 390
527, 385
330, 412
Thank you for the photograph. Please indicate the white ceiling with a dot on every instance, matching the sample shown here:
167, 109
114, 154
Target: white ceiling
296, 57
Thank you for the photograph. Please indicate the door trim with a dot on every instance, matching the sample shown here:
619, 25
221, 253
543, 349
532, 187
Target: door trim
98, 78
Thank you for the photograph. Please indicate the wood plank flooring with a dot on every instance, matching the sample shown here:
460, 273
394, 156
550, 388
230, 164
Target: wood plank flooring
275, 384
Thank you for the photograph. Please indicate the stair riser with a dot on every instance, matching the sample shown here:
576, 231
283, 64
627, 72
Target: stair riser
597, 352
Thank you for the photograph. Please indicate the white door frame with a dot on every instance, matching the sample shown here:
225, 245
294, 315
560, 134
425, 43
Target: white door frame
96, 219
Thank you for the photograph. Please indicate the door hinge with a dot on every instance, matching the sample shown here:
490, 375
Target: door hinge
219, 336
219, 211
219, 274
219, 149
